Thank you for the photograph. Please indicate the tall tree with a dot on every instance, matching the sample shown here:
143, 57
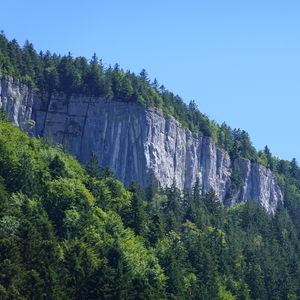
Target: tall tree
137, 217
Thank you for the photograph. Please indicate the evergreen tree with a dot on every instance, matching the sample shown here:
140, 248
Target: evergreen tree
268, 154
137, 218
294, 170
57, 167
93, 166
156, 229
172, 207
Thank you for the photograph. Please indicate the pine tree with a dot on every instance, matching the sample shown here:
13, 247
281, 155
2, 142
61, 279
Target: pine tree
270, 163
156, 229
172, 207
93, 166
137, 218
294, 171
57, 167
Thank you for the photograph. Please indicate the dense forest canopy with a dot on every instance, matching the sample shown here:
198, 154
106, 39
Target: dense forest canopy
73, 232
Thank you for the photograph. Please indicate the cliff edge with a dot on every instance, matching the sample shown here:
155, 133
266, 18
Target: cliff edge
138, 143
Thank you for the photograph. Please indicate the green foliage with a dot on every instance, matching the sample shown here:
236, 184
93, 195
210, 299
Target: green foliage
93, 166
57, 167
70, 233
236, 182
3, 116
137, 218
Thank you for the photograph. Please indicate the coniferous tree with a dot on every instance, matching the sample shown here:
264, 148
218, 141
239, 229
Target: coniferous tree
294, 170
268, 154
93, 166
137, 217
57, 167
172, 207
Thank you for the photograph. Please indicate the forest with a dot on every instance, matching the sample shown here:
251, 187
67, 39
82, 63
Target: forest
69, 231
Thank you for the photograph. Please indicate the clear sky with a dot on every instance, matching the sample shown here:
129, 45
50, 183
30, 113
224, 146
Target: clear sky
239, 60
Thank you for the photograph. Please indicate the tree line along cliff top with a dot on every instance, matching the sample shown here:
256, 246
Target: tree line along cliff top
47, 72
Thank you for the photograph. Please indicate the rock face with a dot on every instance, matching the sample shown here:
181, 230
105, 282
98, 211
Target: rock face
17, 101
138, 143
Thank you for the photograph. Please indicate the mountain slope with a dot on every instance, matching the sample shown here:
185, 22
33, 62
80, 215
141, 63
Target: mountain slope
70, 234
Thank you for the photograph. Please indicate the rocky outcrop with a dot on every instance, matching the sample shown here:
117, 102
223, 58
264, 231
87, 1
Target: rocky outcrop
17, 101
138, 143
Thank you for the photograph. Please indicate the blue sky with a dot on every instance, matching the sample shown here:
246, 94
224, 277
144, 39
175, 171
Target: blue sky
239, 60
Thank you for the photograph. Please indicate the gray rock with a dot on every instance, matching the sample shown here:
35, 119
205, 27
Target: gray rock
137, 143
17, 101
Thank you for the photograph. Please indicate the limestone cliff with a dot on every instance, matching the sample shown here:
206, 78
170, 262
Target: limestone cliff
138, 142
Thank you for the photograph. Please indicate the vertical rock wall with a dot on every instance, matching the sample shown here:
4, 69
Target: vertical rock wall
138, 142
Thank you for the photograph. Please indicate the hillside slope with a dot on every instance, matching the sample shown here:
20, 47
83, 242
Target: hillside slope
68, 233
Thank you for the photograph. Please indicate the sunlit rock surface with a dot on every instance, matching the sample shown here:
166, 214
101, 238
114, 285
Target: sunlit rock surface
138, 143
